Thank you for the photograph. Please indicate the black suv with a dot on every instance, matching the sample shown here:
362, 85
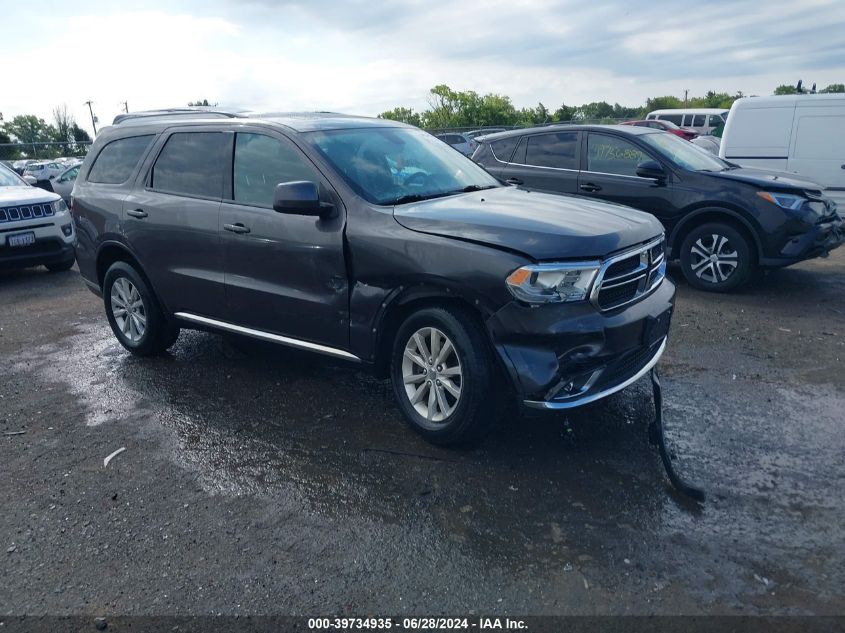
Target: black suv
374, 242
722, 220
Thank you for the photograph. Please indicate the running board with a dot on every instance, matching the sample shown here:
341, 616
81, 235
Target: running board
267, 336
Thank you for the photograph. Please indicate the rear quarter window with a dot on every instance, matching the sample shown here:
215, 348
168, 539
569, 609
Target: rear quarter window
191, 163
117, 160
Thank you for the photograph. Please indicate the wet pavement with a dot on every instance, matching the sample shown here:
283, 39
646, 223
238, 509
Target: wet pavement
261, 480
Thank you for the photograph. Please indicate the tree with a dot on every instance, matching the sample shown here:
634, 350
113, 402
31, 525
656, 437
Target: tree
661, 103
6, 152
29, 129
63, 122
834, 88
564, 113
785, 89
405, 115
81, 139
203, 102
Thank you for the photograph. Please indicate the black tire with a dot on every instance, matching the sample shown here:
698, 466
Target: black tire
61, 266
474, 412
158, 333
734, 262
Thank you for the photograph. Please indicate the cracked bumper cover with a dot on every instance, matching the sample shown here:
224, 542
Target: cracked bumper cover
564, 356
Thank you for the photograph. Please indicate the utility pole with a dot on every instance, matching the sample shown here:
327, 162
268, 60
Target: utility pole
686, 92
93, 118
125, 106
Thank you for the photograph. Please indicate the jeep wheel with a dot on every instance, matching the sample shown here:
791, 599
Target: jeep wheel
443, 376
134, 314
716, 257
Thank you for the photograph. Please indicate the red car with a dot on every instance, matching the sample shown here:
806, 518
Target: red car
666, 126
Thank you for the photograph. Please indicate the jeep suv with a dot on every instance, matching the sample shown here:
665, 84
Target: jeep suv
35, 226
370, 241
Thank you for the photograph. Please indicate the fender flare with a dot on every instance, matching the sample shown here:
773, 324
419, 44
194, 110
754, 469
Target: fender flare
680, 228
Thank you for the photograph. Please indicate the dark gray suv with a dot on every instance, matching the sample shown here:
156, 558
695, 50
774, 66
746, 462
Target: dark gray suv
373, 242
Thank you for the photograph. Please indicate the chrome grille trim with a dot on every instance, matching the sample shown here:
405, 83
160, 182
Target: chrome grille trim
648, 274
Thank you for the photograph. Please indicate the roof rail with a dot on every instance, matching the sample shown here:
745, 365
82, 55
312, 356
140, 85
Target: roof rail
166, 114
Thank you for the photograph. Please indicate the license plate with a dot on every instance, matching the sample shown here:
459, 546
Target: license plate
656, 328
22, 239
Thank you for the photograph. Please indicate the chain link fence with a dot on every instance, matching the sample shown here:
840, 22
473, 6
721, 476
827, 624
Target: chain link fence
45, 150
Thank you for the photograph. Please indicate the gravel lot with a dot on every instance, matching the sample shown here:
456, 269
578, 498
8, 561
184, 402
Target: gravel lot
259, 480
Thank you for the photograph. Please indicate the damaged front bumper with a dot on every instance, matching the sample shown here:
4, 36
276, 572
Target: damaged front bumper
564, 356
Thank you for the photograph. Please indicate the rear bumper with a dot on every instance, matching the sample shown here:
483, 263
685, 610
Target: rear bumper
562, 357
44, 251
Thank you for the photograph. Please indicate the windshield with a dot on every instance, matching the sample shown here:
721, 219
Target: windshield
395, 165
9, 178
683, 153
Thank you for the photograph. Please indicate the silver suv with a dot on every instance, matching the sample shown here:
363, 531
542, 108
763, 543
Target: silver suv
35, 226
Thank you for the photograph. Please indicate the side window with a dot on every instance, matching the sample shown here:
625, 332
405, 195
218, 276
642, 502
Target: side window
503, 149
117, 160
715, 120
698, 120
191, 163
261, 163
613, 155
71, 175
674, 118
553, 150
651, 117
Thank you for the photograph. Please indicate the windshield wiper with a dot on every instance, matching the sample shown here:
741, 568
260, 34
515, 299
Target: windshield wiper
469, 188
414, 197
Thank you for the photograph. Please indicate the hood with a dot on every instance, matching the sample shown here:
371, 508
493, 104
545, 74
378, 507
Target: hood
12, 196
541, 226
769, 178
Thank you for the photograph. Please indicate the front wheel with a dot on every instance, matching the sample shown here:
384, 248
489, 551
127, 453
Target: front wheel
443, 376
716, 257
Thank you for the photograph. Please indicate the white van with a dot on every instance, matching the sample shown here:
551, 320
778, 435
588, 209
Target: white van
702, 120
801, 134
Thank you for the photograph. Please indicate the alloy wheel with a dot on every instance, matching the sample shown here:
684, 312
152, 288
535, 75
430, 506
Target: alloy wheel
128, 309
432, 374
713, 259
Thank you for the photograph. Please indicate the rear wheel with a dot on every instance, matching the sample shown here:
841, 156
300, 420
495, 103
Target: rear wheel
133, 312
716, 257
443, 376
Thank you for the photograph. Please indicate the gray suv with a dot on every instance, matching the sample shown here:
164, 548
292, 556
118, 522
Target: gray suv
373, 242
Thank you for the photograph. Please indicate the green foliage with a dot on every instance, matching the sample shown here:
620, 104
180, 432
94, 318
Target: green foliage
834, 88
405, 115
785, 89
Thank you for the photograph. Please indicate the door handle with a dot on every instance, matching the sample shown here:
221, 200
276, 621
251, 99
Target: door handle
137, 213
588, 186
514, 181
236, 228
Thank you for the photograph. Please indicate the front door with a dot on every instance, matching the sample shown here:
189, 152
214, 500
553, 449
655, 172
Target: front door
610, 173
284, 274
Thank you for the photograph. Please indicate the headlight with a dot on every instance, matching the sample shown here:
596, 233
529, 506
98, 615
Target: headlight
553, 283
59, 206
783, 200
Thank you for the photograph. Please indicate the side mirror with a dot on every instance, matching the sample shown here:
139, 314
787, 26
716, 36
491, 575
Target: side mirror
651, 169
300, 197
52, 176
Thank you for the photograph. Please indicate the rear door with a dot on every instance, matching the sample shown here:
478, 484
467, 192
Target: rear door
546, 162
610, 173
285, 274
172, 219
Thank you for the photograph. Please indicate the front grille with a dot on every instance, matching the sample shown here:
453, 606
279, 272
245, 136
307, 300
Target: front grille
26, 212
630, 275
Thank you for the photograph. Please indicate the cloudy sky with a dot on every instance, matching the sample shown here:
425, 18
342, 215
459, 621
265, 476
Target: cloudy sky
365, 57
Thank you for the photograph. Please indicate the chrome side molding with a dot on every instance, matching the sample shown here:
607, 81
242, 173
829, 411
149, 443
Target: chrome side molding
267, 336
